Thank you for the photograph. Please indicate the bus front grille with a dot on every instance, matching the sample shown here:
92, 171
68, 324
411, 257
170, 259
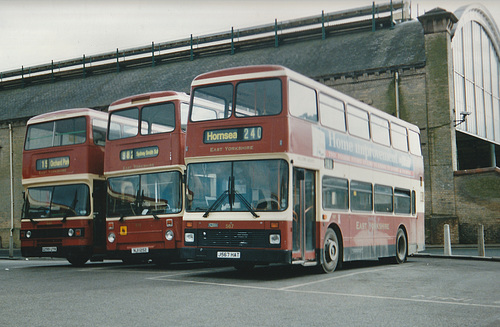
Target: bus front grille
232, 238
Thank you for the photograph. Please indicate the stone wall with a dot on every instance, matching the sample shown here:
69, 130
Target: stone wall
18, 131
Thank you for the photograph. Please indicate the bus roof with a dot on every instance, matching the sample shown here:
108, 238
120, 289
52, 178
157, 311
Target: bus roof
266, 71
151, 97
67, 113
245, 72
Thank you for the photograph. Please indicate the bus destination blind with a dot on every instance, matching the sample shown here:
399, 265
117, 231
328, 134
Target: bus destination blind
240, 134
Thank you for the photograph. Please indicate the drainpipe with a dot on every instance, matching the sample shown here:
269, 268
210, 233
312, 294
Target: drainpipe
396, 91
493, 155
11, 239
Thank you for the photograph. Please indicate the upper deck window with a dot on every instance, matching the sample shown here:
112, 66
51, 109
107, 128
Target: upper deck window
253, 98
380, 130
399, 137
332, 112
358, 122
258, 98
302, 102
56, 133
158, 118
123, 124
184, 115
99, 131
414, 139
212, 102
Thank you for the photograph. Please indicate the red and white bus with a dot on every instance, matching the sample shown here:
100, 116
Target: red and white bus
283, 169
64, 186
144, 167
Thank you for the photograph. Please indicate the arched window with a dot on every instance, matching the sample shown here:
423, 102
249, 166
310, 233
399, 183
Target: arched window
476, 65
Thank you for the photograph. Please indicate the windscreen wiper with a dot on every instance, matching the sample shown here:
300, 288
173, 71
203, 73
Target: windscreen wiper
246, 203
217, 202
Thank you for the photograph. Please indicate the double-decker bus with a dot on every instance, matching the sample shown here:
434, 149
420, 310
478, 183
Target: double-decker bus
144, 167
283, 169
64, 187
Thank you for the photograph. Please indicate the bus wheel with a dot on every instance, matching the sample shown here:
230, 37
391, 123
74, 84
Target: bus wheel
77, 261
331, 251
401, 246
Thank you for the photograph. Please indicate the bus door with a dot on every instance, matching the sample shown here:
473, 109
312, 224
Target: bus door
304, 214
99, 198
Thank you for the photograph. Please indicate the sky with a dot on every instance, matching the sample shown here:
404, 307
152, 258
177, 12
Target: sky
35, 32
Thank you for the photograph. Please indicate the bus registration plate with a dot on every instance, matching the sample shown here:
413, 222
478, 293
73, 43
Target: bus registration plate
49, 249
140, 250
228, 255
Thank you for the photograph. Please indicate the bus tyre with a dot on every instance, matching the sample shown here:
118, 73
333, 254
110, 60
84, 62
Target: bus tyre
331, 251
77, 261
401, 246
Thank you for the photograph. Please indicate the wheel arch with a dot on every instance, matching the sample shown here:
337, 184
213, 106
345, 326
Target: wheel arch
403, 227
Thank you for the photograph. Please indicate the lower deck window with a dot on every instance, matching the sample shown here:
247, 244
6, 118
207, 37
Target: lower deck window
251, 185
335, 193
57, 201
402, 201
361, 196
147, 194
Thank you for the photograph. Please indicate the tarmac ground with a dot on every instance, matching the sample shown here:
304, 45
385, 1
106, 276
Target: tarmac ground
492, 252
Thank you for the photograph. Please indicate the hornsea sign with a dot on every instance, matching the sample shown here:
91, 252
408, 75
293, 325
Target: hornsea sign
240, 134
344, 148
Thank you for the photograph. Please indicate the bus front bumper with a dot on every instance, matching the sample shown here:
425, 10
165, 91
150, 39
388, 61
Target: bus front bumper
256, 256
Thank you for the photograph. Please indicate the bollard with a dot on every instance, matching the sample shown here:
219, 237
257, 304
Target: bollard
447, 240
480, 241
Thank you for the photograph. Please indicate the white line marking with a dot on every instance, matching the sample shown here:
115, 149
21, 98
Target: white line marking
335, 277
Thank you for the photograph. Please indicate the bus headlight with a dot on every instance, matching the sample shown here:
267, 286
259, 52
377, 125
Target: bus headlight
274, 239
71, 232
169, 235
189, 237
28, 234
111, 237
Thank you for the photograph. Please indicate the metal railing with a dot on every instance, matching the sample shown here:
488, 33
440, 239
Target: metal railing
212, 44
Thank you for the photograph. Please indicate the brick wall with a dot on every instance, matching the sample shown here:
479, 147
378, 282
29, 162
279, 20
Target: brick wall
478, 202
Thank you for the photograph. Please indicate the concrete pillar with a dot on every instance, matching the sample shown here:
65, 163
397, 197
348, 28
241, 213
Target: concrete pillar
447, 240
480, 241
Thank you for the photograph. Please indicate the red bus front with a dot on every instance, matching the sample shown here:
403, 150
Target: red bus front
144, 167
63, 212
